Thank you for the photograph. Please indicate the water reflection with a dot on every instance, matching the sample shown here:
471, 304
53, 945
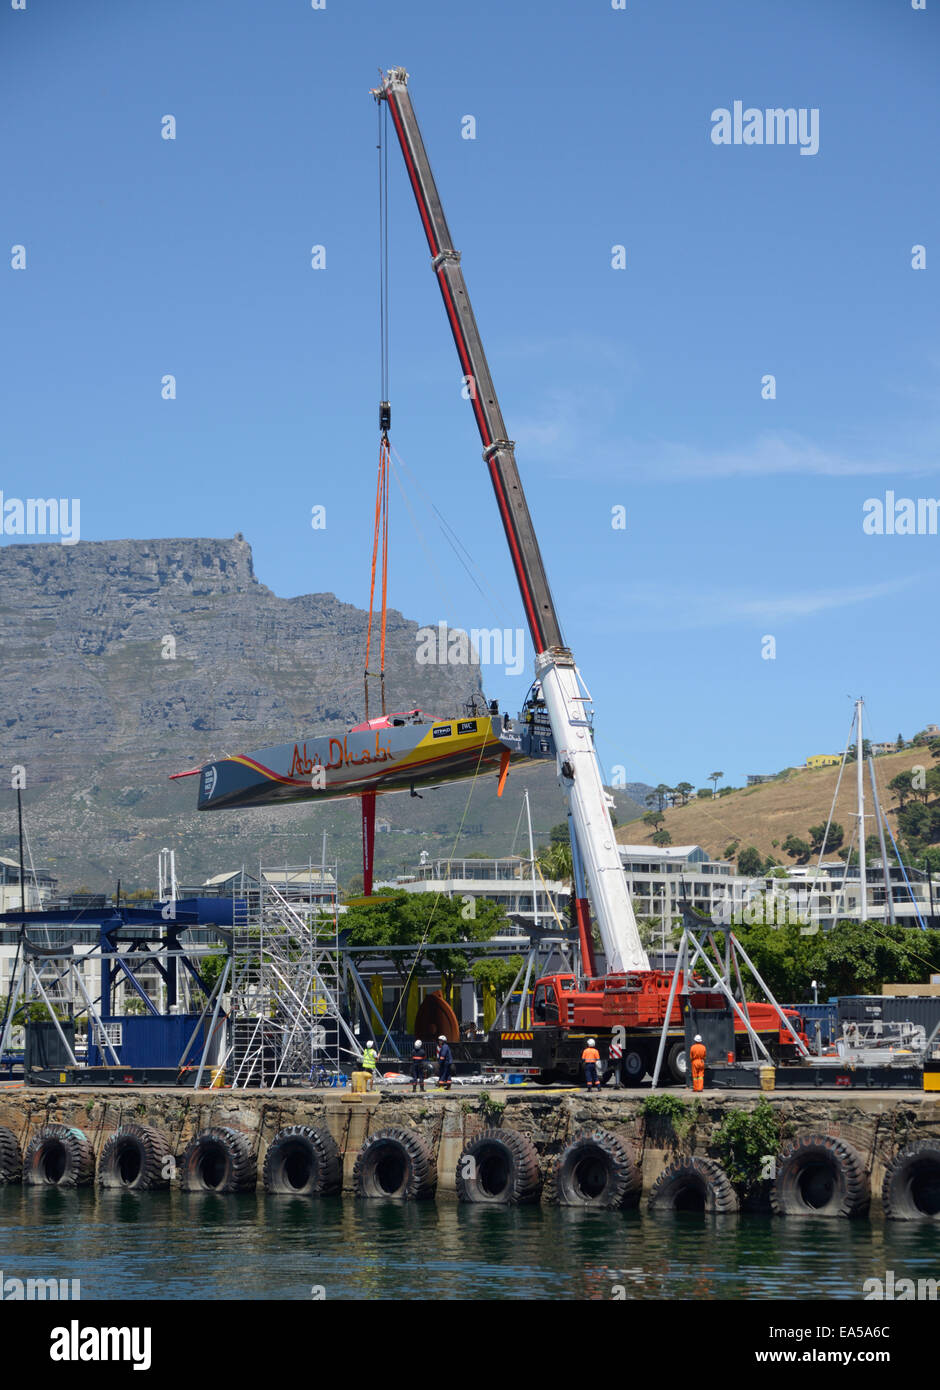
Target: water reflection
206, 1245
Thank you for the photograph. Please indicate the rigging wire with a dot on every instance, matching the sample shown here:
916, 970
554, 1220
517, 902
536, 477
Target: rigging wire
456, 544
380, 528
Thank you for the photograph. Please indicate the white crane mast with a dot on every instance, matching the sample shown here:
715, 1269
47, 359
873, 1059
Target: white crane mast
562, 690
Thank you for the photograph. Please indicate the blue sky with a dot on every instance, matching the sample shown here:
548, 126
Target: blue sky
639, 388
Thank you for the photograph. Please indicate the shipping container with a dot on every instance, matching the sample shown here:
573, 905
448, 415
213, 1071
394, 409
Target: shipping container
143, 1040
891, 1008
827, 1015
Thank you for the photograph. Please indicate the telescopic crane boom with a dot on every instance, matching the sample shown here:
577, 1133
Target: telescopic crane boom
563, 692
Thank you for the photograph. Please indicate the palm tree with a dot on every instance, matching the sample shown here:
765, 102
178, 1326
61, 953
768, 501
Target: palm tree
715, 778
555, 863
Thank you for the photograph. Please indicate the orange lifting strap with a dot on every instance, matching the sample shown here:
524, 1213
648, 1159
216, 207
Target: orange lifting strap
381, 526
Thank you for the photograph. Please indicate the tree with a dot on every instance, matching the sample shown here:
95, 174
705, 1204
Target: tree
705, 792
662, 837
849, 959
932, 780
684, 791
750, 862
715, 778
899, 743
558, 835
658, 796
797, 849
901, 787
914, 821
834, 839
555, 863
413, 919
653, 818
496, 971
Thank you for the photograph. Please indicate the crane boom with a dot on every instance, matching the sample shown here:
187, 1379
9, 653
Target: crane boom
565, 696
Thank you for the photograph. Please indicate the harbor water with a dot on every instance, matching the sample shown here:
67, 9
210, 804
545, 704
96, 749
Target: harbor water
175, 1245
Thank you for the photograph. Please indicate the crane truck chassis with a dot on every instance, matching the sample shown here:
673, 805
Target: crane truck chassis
627, 1009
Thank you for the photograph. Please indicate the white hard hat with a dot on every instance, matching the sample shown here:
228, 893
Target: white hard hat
441, 1038
369, 1043
697, 1038
590, 1042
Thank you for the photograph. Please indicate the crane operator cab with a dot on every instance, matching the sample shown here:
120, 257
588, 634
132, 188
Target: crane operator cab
534, 726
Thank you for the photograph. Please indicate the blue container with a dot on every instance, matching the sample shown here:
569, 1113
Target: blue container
146, 1041
825, 1014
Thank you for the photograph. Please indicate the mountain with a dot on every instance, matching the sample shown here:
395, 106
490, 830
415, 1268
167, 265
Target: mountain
125, 661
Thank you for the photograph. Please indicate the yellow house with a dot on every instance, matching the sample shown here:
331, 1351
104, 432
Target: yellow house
824, 760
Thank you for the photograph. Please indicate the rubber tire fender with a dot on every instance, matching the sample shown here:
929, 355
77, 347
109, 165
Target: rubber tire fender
911, 1188
59, 1156
597, 1160
820, 1175
395, 1163
499, 1167
227, 1153
143, 1147
701, 1177
314, 1152
11, 1157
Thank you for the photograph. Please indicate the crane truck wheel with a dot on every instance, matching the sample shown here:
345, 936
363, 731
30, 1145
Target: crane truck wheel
819, 1175
395, 1163
911, 1190
634, 1065
677, 1063
59, 1157
500, 1166
595, 1170
11, 1157
694, 1184
304, 1161
135, 1158
218, 1160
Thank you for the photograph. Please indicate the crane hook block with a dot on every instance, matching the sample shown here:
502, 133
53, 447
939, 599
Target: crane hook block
385, 416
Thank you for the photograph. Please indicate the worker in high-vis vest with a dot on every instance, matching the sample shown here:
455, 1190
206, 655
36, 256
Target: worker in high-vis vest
369, 1060
590, 1058
697, 1059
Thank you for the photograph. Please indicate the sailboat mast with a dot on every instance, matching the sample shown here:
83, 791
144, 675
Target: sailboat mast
863, 880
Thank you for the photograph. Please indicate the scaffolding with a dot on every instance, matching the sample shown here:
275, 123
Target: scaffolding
287, 1021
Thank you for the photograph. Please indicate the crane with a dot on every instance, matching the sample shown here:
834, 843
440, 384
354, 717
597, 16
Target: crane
565, 696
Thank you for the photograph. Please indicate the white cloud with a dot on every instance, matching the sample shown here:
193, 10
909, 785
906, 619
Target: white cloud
646, 607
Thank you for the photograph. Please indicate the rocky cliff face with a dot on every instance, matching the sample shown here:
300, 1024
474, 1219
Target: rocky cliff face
125, 661
172, 647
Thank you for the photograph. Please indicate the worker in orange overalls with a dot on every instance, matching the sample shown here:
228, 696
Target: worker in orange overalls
697, 1058
590, 1057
